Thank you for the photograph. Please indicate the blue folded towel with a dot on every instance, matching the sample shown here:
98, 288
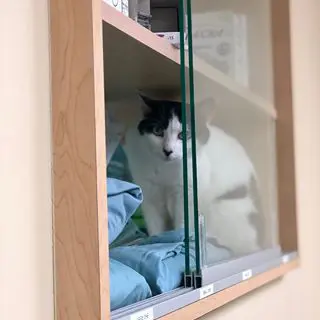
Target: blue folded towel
126, 285
130, 235
123, 200
161, 259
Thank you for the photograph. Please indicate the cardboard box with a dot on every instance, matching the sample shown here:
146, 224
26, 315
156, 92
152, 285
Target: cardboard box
165, 21
139, 11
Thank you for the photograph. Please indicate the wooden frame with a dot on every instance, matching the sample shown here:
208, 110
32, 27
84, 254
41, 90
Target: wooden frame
202, 307
285, 142
79, 161
78, 129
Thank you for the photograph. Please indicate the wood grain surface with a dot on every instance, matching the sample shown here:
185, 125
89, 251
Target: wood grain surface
79, 161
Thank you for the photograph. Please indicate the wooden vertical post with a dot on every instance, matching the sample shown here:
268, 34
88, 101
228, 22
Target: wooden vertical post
285, 139
79, 160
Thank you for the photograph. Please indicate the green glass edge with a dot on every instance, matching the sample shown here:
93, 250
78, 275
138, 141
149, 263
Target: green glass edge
184, 144
193, 139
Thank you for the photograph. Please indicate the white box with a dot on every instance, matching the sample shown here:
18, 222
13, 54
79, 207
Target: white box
220, 38
172, 37
120, 5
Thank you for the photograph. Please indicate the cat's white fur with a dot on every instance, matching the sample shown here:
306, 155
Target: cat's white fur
223, 165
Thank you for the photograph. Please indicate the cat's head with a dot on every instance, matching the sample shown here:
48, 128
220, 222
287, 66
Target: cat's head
161, 126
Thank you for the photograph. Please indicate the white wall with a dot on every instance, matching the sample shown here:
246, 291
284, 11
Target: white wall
296, 297
25, 175
25, 182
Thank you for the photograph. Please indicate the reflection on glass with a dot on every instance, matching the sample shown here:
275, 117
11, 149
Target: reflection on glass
233, 140
234, 37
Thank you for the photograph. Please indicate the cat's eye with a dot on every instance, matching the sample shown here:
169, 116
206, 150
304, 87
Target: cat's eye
180, 135
157, 131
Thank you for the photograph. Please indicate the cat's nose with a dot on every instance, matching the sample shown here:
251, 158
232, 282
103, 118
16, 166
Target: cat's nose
167, 152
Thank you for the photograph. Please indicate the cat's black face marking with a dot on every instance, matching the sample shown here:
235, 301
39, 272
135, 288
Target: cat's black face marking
157, 117
161, 112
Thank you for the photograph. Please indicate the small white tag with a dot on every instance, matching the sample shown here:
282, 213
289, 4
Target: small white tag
206, 291
146, 314
285, 259
246, 274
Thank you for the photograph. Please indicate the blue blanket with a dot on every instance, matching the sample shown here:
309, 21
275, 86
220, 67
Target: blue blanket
126, 285
161, 259
129, 236
123, 200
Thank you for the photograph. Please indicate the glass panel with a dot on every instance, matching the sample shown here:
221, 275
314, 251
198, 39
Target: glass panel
191, 216
187, 167
152, 241
234, 37
195, 243
148, 146
233, 129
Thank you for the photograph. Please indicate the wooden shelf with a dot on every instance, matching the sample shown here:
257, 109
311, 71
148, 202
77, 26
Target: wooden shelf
226, 90
135, 58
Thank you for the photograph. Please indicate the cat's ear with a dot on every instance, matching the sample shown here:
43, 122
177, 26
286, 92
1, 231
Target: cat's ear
206, 110
148, 102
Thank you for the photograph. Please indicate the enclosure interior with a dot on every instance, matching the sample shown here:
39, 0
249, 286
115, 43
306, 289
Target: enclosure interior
154, 264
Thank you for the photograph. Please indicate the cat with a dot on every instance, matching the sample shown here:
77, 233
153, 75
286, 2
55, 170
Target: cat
154, 149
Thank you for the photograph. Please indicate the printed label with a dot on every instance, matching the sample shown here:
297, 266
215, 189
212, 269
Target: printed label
246, 274
146, 314
206, 291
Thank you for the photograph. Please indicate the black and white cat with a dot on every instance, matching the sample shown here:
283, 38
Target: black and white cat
154, 150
